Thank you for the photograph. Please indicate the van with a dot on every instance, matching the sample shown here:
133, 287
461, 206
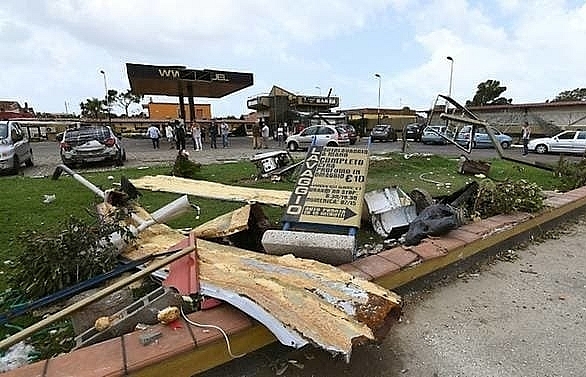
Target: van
15, 148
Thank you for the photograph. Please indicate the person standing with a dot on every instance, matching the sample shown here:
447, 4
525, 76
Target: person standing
525, 136
224, 130
256, 135
154, 134
180, 135
265, 136
196, 136
169, 135
280, 134
213, 135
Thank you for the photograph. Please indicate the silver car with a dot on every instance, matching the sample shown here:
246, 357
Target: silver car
331, 136
565, 142
91, 143
15, 148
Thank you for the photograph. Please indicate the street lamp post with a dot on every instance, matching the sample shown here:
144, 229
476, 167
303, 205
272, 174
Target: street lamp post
378, 108
107, 97
319, 89
451, 71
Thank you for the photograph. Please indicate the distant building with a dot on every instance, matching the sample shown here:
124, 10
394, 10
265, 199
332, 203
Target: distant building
282, 106
12, 109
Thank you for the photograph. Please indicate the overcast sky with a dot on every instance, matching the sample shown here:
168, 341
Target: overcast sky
53, 50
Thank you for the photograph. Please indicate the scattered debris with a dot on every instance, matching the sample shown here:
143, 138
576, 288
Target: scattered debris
149, 337
390, 209
49, 198
274, 164
435, 220
467, 166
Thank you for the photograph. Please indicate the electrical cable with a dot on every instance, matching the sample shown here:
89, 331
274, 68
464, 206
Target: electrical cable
212, 327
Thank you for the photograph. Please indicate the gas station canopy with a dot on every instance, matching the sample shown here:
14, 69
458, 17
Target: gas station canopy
180, 81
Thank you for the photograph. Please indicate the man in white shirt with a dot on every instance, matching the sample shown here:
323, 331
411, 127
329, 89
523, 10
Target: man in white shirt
154, 134
224, 130
265, 136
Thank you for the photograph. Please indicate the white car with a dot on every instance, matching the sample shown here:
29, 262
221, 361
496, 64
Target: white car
564, 142
331, 136
15, 148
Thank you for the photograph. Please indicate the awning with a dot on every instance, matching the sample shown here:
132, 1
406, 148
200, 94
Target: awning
181, 81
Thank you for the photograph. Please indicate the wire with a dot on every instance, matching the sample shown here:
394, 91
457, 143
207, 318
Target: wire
212, 327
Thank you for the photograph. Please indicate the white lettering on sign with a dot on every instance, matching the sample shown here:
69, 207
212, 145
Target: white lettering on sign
169, 73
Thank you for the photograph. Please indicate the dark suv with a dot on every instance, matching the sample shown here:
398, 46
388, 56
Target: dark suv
91, 143
414, 131
383, 132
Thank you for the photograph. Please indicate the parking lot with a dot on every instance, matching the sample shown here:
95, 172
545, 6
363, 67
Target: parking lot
141, 153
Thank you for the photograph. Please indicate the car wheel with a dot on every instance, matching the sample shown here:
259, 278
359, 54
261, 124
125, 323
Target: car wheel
30, 163
15, 165
541, 148
332, 144
473, 144
292, 146
505, 145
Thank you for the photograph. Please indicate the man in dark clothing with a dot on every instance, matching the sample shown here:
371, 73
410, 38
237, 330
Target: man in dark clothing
180, 135
213, 134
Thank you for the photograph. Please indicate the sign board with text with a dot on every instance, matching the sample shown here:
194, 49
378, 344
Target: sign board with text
330, 187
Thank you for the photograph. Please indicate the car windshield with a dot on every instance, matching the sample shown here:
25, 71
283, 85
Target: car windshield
3, 130
380, 128
87, 134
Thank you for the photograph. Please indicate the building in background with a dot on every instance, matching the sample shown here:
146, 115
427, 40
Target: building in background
166, 110
12, 109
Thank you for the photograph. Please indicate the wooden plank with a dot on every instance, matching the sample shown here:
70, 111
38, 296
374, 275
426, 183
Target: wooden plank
212, 190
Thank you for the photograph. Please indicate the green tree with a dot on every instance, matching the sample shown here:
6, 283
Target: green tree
578, 94
123, 100
93, 108
488, 93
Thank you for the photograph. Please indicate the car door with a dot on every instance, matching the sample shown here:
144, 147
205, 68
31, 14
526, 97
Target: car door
19, 142
324, 135
563, 142
306, 137
580, 142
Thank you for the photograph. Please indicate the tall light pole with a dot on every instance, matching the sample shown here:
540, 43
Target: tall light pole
451, 71
378, 108
107, 97
319, 89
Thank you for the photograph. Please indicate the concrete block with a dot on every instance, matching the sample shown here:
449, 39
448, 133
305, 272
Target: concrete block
333, 249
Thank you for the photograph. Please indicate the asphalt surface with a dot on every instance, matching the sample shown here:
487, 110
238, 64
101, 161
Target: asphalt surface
141, 153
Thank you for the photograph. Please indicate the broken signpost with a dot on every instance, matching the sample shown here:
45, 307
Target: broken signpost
324, 210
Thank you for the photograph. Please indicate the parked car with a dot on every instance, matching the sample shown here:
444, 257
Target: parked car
352, 134
383, 132
15, 148
431, 135
91, 143
481, 138
414, 131
331, 136
564, 142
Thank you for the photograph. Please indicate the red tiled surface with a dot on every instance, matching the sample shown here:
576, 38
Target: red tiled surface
426, 249
464, 235
31, 370
376, 266
99, 360
478, 228
175, 339
349, 268
399, 256
230, 319
558, 201
448, 242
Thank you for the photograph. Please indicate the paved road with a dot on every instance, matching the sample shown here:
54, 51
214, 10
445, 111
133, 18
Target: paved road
140, 153
523, 314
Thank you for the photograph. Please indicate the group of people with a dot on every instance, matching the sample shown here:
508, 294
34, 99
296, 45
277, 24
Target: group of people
176, 135
260, 135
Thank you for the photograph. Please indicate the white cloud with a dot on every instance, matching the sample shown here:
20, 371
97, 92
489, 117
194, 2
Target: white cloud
57, 47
